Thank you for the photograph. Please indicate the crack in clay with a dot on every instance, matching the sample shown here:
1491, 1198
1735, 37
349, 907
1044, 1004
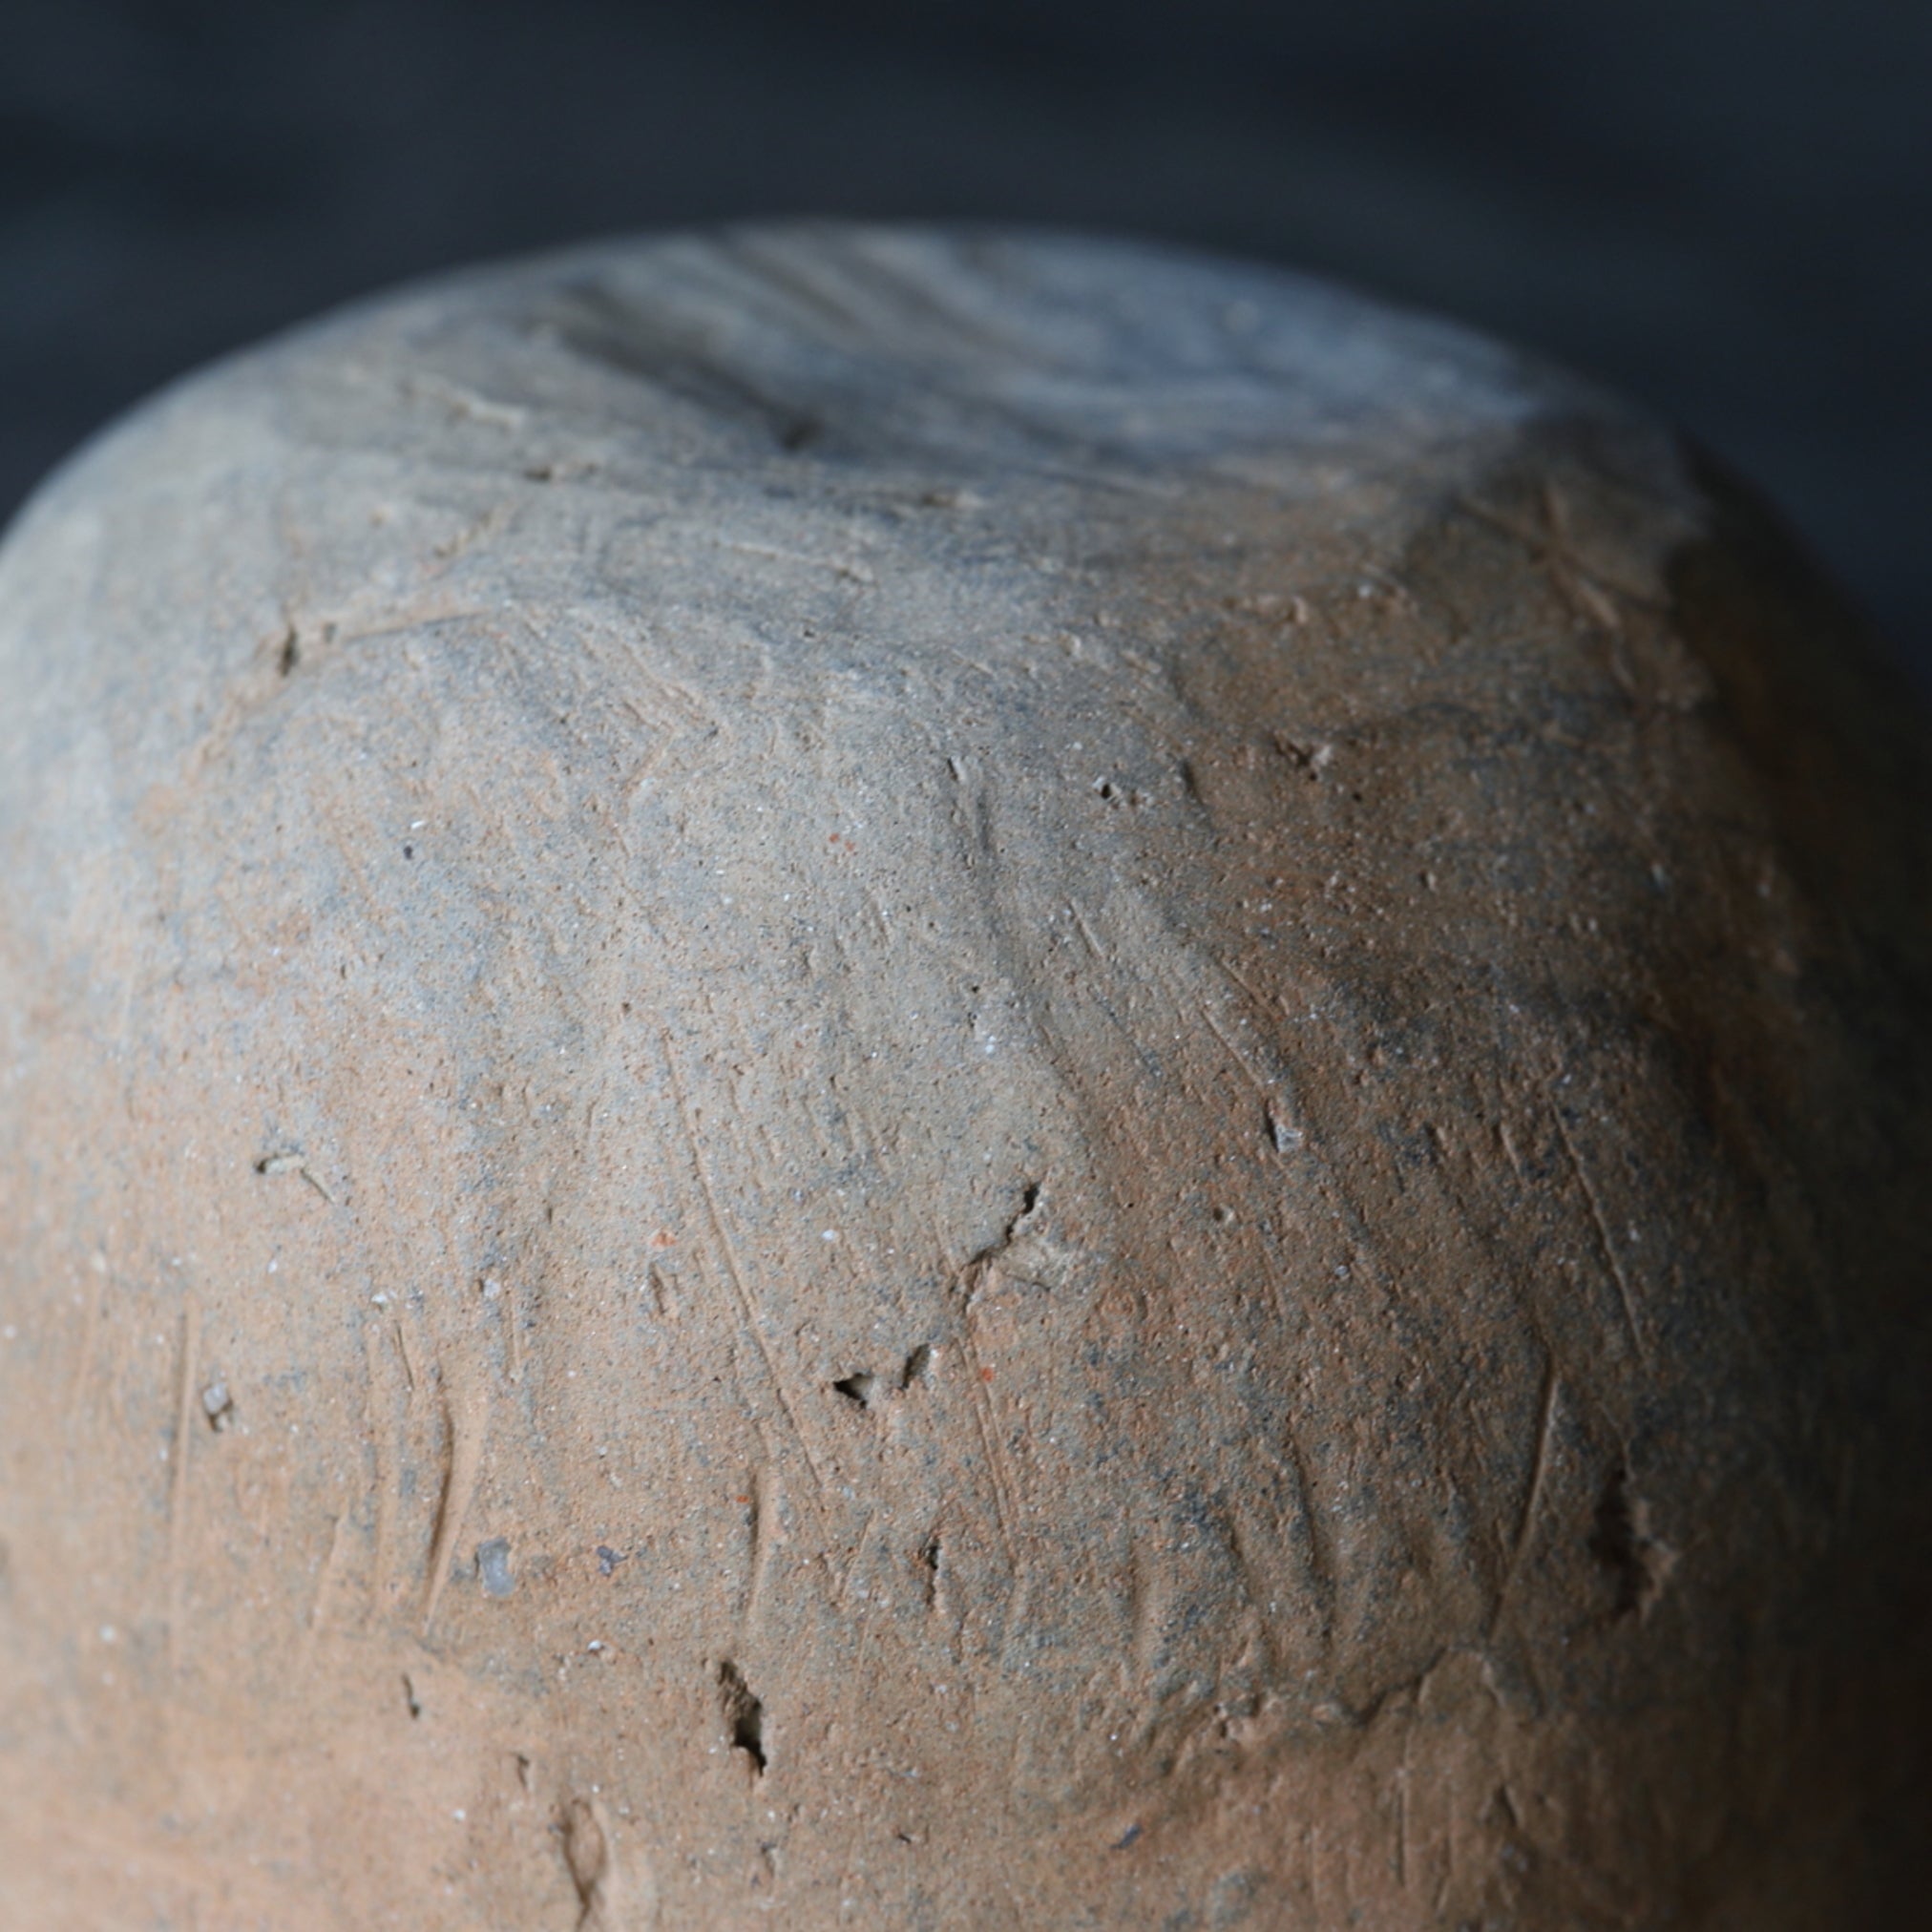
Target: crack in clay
744, 1714
1639, 1563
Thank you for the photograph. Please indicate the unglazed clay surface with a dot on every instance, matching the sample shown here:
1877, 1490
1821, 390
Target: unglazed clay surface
858, 1078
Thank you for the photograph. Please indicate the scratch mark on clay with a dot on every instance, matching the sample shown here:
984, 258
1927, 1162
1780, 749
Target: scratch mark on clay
466, 402
1539, 1474
398, 623
466, 539
376, 1432
177, 1483
838, 566
1323, 1560
747, 1305
1235, 1053
1402, 1818
512, 1317
663, 1302
1603, 1241
1246, 986
643, 770
132, 974
984, 1268
764, 1537
411, 1372
998, 1475
1144, 1647
1086, 932
510, 1313
292, 1162
1589, 589
467, 1418
842, 1573
324, 1589
90, 1331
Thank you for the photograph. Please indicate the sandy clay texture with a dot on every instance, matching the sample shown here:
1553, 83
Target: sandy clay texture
858, 1077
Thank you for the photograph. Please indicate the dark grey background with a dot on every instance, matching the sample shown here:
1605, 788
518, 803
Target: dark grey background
1723, 207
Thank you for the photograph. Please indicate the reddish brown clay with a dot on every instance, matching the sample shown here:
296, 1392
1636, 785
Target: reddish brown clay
857, 1078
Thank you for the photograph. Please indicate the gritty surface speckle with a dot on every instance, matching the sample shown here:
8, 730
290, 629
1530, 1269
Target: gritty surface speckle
1108, 1123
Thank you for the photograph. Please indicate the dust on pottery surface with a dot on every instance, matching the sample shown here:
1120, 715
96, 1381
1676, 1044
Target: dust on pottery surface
865, 1076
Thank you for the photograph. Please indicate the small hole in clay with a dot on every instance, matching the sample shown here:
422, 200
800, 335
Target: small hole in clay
1638, 1561
919, 1366
290, 654
743, 1714
857, 1388
410, 1696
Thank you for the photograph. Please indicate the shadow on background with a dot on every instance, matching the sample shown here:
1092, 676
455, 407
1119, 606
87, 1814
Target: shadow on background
1724, 208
